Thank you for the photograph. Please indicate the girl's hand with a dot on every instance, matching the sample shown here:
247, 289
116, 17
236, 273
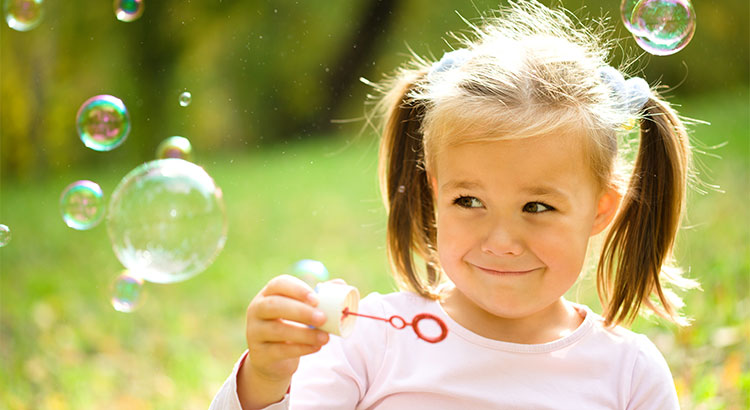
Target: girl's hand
277, 334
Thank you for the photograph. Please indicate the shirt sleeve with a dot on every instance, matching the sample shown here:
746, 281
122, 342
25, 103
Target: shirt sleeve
652, 386
228, 399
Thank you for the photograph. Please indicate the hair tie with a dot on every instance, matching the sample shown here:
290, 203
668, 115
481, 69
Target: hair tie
631, 94
451, 59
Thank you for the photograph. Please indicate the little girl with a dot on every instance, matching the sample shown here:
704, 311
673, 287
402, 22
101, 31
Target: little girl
498, 164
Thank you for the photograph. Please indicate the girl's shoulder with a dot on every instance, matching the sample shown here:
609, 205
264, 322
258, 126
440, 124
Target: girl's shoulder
617, 334
643, 351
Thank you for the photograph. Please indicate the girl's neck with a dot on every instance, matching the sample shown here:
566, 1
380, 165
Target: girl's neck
549, 324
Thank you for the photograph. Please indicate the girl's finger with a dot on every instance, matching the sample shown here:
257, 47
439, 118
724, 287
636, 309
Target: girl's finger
337, 281
282, 331
276, 351
281, 307
291, 287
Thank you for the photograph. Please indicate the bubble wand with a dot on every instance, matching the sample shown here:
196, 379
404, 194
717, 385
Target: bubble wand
399, 323
340, 304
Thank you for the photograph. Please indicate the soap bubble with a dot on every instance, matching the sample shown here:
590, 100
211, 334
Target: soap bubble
82, 205
663, 27
175, 147
310, 271
128, 10
103, 122
185, 99
166, 220
23, 15
626, 11
4, 235
127, 292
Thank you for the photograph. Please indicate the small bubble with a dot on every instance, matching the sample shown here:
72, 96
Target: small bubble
663, 27
103, 122
185, 98
626, 12
310, 271
82, 205
23, 15
128, 10
401, 189
175, 147
4, 235
127, 292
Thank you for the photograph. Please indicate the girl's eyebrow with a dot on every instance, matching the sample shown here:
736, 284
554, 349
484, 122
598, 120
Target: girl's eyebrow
546, 190
461, 184
543, 190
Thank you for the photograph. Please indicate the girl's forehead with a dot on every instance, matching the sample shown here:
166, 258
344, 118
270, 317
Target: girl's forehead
558, 147
549, 157
475, 120
574, 139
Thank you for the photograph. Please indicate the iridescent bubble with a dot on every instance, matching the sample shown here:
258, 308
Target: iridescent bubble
185, 99
23, 15
626, 11
310, 271
663, 27
103, 122
82, 205
175, 147
166, 220
4, 235
128, 10
127, 290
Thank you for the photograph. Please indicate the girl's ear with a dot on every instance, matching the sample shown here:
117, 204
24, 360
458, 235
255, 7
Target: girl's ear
606, 210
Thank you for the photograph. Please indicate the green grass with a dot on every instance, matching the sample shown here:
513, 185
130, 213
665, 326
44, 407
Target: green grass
62, 345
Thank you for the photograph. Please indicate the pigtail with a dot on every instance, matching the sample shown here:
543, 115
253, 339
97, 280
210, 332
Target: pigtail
637, 251
406, 189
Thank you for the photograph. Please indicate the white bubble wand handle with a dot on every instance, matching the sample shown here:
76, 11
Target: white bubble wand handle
336, 298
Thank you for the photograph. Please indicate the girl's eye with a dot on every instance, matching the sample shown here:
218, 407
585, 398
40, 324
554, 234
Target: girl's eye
537, 207
468, 202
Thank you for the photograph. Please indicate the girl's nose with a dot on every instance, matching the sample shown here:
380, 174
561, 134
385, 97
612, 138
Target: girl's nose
500, 240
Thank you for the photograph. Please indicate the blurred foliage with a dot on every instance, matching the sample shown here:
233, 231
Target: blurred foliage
264, 72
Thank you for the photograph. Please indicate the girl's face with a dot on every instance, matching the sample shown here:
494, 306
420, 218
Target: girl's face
513, 221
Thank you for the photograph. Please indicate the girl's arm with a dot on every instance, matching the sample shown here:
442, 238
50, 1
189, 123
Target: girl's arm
278, 331
335, 378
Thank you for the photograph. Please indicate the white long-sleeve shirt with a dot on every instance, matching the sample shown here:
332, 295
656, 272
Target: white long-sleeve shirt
379, 367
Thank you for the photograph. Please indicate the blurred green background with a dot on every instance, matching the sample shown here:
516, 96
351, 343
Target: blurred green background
276, 119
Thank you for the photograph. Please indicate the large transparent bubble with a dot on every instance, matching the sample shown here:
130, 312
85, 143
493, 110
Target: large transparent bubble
166, 220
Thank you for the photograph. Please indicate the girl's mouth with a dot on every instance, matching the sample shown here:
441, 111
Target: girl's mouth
505, 272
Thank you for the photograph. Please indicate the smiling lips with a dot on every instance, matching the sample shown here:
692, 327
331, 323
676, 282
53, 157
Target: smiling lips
505, 272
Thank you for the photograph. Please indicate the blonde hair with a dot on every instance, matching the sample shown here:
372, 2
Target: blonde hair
531, 70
